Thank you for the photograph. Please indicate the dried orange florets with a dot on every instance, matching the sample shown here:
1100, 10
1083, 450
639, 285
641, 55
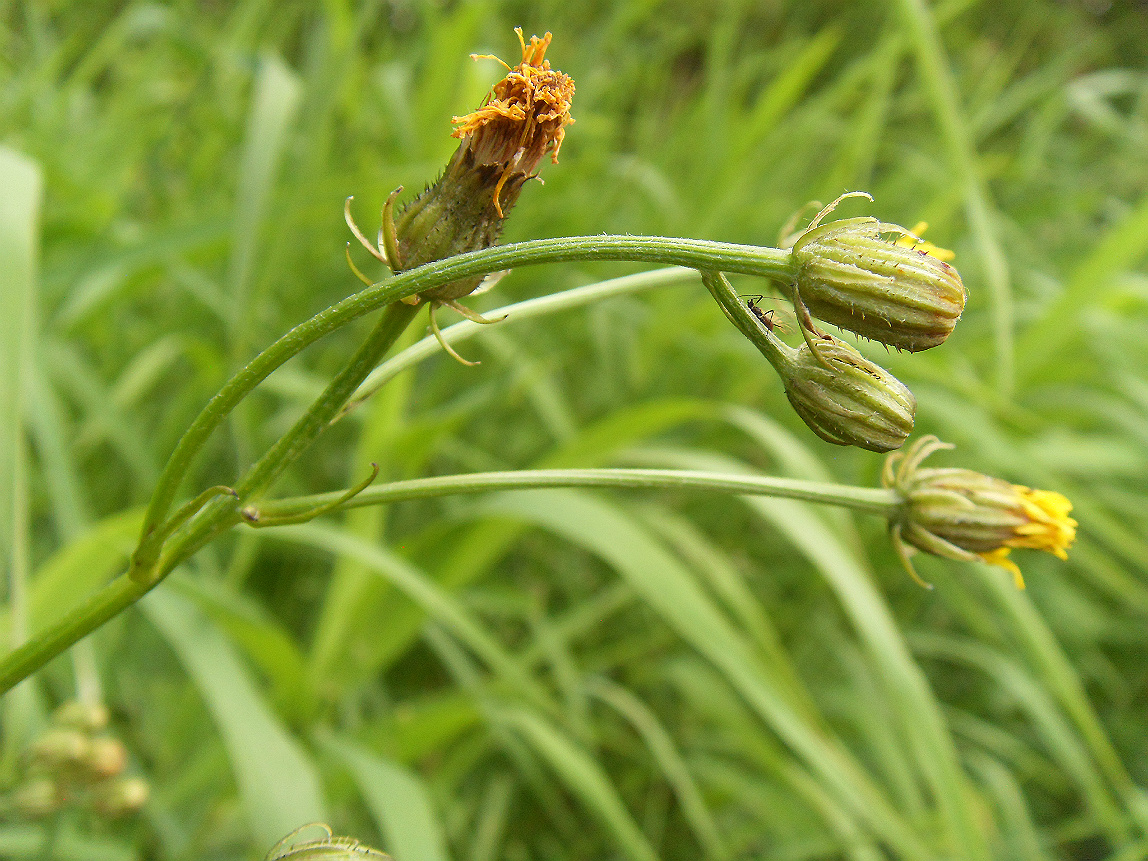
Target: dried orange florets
524, 117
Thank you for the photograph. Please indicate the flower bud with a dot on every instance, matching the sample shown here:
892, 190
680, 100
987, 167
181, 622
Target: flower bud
37, 798
963, 514
849, 274
846, 399
61, 747
106, 758
84, 716
120, 797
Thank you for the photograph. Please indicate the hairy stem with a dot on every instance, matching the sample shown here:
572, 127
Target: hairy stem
698, 254
870, 500
161, 549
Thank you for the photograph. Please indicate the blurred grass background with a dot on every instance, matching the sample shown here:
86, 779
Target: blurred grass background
574, 675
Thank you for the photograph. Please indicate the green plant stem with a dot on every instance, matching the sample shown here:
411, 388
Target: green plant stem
219, 514
777, 352
870, 500
697, 254
159, 552
123, 592
117, 596
529, 309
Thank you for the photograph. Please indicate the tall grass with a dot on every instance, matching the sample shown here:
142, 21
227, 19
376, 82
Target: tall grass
571, 674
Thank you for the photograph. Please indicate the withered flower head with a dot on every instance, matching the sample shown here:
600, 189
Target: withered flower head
963, 514
524, 117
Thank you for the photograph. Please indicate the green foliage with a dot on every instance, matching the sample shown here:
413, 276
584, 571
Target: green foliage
574, 674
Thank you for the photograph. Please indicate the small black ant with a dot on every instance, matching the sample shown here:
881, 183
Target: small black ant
764, 317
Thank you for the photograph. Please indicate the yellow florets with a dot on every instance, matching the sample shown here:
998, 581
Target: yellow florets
963, 514
913, 239
1048, 528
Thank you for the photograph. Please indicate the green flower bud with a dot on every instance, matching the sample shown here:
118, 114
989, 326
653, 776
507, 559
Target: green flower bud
61, 747
37, 798
849, 274
963, 514
88, 717
843, 397
330, 848
846, 399
120, 797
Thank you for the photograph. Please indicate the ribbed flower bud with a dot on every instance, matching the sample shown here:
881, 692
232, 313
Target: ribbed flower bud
963, 514
329, 848
848, 400
849, 273
843, 397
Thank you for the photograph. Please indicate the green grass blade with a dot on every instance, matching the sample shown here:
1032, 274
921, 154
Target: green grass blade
665, 752
917, 709
584, 777
1065, 746
957, 137
262, 638
479, 547
61, 471
427, 595
275, 99
19, 256
19, 253
492, 818
670, 591
1122, 247
277, 780
1058, 677
77, 569
397, 799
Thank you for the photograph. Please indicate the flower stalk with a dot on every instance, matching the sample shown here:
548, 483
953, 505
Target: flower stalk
692, 253
153, 558
840, 395
879, 501
442, 245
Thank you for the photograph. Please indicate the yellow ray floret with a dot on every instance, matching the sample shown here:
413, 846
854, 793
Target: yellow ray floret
914, 240
1049, 527
1046, 526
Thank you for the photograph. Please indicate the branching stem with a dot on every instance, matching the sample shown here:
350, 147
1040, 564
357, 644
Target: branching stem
166, 541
